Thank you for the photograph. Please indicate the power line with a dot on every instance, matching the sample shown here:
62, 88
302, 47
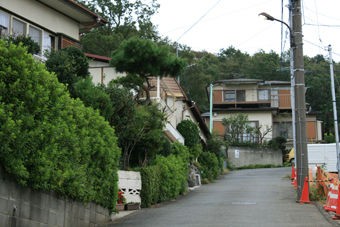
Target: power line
199, 19
322, 25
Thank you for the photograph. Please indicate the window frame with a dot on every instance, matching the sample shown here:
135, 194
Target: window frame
237, 96
267, 94
13, 33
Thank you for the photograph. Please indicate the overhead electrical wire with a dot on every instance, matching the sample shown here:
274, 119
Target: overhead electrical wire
199, 19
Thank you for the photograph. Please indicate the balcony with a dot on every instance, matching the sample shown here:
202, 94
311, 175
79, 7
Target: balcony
254, 98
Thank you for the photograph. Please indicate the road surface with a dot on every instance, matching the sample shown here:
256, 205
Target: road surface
257, 197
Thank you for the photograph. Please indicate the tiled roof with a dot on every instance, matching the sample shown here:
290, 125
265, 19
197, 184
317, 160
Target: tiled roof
169, 86
98, 57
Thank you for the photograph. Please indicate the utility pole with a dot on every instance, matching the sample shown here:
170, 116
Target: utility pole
301, 155
331, 69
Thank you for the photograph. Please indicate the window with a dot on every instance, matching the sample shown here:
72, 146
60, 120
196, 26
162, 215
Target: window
35, 34
48, 42
4, 23
263, 94
235, 95
18, 27
229, 96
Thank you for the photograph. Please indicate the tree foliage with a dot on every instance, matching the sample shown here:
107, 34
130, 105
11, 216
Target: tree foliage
50, 141
32, 46
190, 132
141, 59
125, 18
70, 65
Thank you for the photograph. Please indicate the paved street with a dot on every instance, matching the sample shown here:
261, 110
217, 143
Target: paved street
260, 197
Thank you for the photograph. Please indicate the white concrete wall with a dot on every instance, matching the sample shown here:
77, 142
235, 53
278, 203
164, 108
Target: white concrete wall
130, 183
103, 72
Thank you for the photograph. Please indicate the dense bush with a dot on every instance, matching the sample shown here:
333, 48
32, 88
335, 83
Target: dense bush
209, 166
167, 178
32, 46
174, 174
50, 141
70, 65
151, 180
190, 132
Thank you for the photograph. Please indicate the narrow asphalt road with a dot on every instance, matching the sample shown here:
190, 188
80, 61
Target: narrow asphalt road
258, 197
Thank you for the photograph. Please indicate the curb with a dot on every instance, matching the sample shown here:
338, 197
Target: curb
327, 215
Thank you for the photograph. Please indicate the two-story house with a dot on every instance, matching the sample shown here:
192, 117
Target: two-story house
267, 104
53, 24
177, 107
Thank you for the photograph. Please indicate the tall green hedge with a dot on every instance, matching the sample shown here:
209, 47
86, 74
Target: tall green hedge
50, 141
167, 177
151, 180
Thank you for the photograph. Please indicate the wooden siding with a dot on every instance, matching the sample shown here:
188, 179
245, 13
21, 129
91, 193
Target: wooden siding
218, 127
284, 99
311, 130
217, 96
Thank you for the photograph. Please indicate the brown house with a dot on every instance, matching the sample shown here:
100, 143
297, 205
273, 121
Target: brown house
266, 103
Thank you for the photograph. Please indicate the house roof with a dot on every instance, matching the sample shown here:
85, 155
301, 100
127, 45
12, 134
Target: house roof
238, 81
98, 57
76, 11
170, 86
252, 81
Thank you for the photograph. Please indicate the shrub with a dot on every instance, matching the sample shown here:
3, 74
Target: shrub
32, 46
151, 181
173, 173
190, 132
209, 166
50, 141
70, 65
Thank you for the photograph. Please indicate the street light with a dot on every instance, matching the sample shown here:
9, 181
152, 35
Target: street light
298, 85
292, 80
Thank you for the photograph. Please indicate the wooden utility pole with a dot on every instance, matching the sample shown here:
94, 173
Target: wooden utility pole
301, 155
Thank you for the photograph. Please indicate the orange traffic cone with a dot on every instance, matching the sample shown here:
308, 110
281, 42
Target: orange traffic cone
332, 198
293, 175
337, 211
305, 192
294, 182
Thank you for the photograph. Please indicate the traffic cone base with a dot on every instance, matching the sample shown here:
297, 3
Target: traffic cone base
332, 198
337, 211
305, 192
293, 174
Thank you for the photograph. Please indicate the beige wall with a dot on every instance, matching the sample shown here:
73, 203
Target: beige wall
102, 72
43, 16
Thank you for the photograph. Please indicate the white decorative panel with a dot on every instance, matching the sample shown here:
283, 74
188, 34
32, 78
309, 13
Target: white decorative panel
130, 183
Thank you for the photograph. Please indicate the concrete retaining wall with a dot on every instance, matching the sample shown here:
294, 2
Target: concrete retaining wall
244, 156
23, 207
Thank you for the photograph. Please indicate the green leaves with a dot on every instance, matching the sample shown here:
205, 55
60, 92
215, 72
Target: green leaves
145, 58
49, 140
190, 132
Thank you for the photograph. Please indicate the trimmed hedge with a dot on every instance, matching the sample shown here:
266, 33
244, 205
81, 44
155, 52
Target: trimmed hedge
151, 180
167, 178
50, 141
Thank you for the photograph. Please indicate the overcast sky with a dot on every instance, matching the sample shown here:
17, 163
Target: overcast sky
215, 24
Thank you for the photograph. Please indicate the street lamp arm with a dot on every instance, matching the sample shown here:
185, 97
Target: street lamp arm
271, 18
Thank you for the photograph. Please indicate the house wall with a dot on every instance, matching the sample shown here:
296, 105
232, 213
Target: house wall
264, 119
47, 18
245, 156
102, 72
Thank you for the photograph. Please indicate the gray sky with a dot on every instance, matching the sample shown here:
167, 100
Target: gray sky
215, 24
